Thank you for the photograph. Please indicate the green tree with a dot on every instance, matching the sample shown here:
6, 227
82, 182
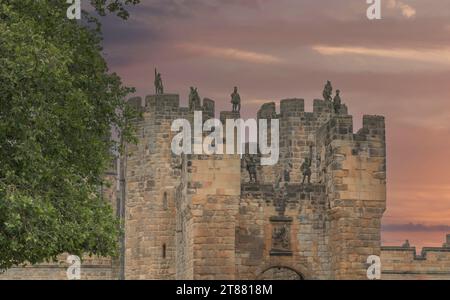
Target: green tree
58, 103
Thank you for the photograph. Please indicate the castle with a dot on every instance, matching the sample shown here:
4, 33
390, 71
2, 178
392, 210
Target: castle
201, 217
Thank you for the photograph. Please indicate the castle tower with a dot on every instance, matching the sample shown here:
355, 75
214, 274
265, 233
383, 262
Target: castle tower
198, 217
151, 178
354, 167
208, 206
207, 212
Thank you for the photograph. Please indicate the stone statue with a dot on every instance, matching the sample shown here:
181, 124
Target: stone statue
251, 168
337, 102
236, 100
287, 173
194, 99
328, 91
278, 183
406, 244
159, 88
306, 170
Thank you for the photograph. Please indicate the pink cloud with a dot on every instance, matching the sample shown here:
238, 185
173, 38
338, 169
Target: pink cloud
397, 67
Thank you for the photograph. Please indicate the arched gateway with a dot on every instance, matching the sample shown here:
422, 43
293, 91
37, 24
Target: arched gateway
280, 273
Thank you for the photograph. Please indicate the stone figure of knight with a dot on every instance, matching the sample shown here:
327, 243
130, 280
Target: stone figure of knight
337, 102
236, 100
159, 88
194, 99
328, 91
251, 168
306, 170
287, 173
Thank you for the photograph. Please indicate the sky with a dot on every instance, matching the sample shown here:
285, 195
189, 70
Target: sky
398, 67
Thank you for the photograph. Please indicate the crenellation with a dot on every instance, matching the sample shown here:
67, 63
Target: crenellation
400, 262
161, 104
292, 106
136, 103
198, 216
267, 111
209, 108
321, 107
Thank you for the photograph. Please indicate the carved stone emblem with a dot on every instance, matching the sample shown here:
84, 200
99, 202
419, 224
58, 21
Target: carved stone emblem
281, 236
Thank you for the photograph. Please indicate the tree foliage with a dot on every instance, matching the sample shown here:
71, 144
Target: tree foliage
58, 103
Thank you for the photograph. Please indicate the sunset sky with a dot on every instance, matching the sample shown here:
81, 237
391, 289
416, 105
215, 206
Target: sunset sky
398, 67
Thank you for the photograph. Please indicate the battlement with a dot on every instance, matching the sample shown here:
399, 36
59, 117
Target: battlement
426, 251
403, 262
321, 106
254, 213
209, 107
166, 102
295, 107
315, 215
169, 105
412, 251
267, 111
337, 128
136, 103
292, 106
373, 128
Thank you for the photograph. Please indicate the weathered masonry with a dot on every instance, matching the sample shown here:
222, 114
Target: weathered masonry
201, 217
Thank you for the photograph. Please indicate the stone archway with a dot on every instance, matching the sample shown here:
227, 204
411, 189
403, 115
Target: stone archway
280, 273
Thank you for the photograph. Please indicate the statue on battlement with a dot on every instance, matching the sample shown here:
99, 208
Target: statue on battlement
194, 99
328, 91
236, 100
287, 173
159, 88
306, 170
251, 168
337, 102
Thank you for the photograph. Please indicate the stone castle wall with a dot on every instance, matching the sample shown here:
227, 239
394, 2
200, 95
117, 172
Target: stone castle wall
354, 171
209, 214
93, 268
304, 212
400, 263
223, 227
151, 178
199, 217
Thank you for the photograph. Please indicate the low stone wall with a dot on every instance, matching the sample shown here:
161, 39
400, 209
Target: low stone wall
92, 268
403, 263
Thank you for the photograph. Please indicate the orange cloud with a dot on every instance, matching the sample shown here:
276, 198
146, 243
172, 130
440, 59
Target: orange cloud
407, 10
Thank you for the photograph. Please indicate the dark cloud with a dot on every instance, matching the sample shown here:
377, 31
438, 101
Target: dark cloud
276, 24
118, 32
415, 228
173, 10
